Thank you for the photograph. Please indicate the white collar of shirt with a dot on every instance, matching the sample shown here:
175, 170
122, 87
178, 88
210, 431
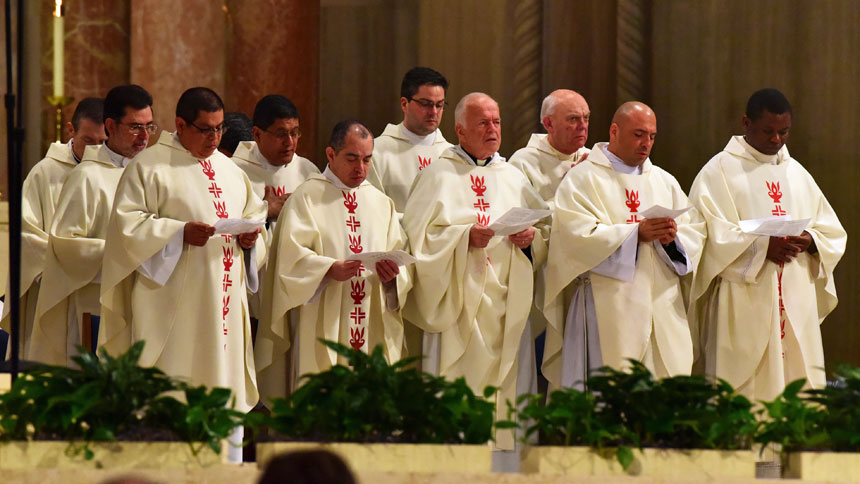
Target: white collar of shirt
71, 145
336, 181
619, 165
459, 150
417, 139
758, 155
117, 159
255, 152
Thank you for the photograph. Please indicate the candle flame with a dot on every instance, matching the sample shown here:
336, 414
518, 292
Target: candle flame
58, 8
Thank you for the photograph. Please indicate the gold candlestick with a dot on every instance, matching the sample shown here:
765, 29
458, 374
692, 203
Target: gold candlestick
58, 102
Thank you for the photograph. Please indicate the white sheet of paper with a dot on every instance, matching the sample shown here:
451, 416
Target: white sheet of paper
517, 219
369, 259
236, 226
659, 211
774, 226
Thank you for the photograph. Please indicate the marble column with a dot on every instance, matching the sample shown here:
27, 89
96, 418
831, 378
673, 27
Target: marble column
273, 48
176, 46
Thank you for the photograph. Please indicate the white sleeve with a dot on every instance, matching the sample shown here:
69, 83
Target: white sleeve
159, 267
621, 264
681, 268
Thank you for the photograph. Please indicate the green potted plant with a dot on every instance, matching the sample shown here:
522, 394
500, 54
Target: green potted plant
384, 417
817, 431
683, 426
110, 412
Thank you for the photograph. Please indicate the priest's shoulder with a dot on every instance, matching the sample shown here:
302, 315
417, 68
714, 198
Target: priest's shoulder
524, 156
305, 165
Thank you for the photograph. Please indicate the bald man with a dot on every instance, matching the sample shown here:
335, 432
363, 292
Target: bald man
473, 289
614, 276
548, 157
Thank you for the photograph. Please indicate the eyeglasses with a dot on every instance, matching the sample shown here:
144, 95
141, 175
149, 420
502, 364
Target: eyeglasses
138, 129
282, 134
428, 104
216, 131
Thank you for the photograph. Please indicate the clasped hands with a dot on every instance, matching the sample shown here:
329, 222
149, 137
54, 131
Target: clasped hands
343, 270
480, 235
784, 249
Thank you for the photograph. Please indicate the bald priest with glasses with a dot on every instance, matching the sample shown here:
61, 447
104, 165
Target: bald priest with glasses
168, 278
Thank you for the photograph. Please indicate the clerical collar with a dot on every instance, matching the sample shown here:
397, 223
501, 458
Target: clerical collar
117, 159
475, 159
71, 144
263, 160
619, 165
335, 180
758, 155
417, 139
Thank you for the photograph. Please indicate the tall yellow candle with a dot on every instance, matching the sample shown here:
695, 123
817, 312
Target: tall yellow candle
58, 48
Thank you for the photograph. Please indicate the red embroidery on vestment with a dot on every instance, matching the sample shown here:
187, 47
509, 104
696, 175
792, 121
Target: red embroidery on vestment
356, 339
355, 244
478, 185
423, 162
357, 293
349, 201
207, 169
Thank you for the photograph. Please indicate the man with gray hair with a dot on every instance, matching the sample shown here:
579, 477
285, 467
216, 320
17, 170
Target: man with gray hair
547, 158
473, 289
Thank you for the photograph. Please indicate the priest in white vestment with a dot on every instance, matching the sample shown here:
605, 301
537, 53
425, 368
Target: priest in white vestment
327, 219
73, 263
272, 165
167, 277
473, 290
614, 277
404, 150
39, 196
548, 157
760, 299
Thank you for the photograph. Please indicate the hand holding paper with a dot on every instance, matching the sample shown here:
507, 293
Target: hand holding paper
517, 219
236, 226
659, 211
369, 259
774, 226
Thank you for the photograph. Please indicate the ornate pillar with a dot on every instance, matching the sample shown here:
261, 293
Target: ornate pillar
273, 48
527, 69
176, 46
633, 49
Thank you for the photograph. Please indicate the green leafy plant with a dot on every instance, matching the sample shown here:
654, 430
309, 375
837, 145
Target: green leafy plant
111, 398
630, 409
206, 418
839, 410
374, 401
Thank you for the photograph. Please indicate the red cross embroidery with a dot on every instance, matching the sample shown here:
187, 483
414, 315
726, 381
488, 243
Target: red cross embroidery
224, 327
228, 258
484, 219
423, 162
355, 243
357, 293
226, 306
360, 270
207, 169
481, 205
633, 219
349, 201
215, 190
227, 238
357, 316
226, 282
356, 337
353, 223
220, 209
778, 211
478, 185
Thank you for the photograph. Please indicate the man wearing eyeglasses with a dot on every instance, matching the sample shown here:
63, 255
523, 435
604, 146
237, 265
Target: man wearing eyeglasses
40, 193
66, 313
273, 166
404, 149
168, 278
270, 161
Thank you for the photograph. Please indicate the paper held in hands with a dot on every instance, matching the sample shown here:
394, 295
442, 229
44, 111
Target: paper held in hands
369, 259
774, 226
236, 226
517, 219
659, 211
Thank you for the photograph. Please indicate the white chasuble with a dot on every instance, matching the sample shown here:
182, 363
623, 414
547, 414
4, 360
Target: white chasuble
322, 222
397, 162
639, 313
70, 286
748, 338
281, 179
39, 196
474, 302
196, 324
545, 166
